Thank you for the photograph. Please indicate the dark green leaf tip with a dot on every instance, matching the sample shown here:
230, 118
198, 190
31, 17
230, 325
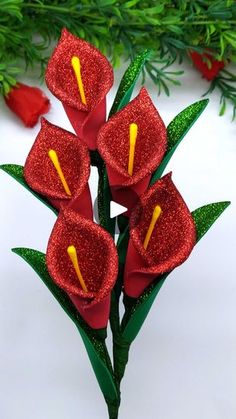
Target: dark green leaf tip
17, 172
128, 80
176, 131
204, 217
182, 123
12, 169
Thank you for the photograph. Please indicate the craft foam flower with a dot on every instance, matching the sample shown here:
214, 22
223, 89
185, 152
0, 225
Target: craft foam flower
132, 144
162, 236
82, 260
208, 72
58, 167
80, 77
28, 103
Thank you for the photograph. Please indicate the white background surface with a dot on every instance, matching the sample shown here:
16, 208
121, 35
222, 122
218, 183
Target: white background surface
183, 363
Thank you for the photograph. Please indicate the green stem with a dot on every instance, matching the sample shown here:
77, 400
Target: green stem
121, 357
113, 410
120, 346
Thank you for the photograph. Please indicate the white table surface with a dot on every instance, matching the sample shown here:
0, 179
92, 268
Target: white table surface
183, 363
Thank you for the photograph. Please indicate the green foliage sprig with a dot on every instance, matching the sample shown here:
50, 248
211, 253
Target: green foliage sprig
119, 28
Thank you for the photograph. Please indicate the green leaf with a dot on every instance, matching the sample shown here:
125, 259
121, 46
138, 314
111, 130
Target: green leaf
105, 3
128, 81
130, 3
138, 309
204, 217
16, 171
231, 38
122, 245
176, 131
95, 346
104, 199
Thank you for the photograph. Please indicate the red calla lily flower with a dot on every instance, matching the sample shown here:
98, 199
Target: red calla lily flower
97, 260
73, 157
96, 79
209, 73
171, 242
28, 103
150, 147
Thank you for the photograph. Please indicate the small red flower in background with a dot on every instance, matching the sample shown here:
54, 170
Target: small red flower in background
209, 73
28, 103
171, 240
97, 260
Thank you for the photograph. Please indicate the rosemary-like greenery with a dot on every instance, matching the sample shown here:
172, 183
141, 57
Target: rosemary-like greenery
121, 28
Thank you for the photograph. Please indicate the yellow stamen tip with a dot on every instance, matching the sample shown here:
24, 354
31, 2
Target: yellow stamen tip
133, 132
75, 62
54, 158
156, 214
71, 250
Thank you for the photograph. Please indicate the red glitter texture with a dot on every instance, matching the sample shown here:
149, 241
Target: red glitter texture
97, 77
28, 103
98, 261
207, 73
172, 240
113, 145
73, 155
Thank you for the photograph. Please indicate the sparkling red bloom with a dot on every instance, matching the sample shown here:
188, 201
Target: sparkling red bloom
28, 103
97, 77
113, 145
208, 72
172, 240
98, 263
73, 155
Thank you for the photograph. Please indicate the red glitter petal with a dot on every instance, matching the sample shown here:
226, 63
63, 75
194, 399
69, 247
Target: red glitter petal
96, 73
171, 242
113, 140
97, 257
41, 175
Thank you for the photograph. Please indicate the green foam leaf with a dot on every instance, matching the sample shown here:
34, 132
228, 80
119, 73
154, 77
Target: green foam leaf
104, 199
122, 245
204, 217
17, 172
128, 81
138, 309
94, 340
176, 131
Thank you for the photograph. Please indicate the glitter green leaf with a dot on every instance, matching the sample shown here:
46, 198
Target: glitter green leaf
176, 131
128, 81
204, 217
94, 341
16, 172
138, 309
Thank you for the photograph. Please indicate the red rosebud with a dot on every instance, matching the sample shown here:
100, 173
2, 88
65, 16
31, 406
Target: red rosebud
171, 241
208, 73
97, 260
73, 156
28, 103
96, 78
114, 147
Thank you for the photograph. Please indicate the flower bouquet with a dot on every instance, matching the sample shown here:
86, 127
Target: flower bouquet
84, 268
